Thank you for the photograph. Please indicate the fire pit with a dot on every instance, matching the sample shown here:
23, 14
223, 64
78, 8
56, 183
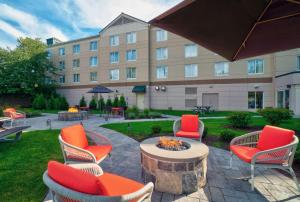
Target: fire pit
174, 165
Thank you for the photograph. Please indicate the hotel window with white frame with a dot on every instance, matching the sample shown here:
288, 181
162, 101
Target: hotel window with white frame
161, 53
76, 48
93, 61
114, 57
76, 63
190, 50
161, 72
93, 76
191, 70
161, 35
298, 62
61, 51
131, 73
221, 69
255, 100
256, 66
93, 45
76, 78
62, 79
114, 74
114, 40
131, 37
131, 55
61, 65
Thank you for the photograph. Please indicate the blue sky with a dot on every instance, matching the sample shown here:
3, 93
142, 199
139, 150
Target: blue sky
68, 19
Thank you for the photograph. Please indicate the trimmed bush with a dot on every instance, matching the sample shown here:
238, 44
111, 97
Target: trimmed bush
131, 115
135, 110
82, 102
275, 116
122, 102
146, 112
142, 115
39, 102
154, 115
63, 103
108, 102
116, 102
239, 119
93, 104
227, 135
156, 129
101, 104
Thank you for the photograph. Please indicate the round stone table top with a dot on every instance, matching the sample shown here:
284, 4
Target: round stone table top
196, 151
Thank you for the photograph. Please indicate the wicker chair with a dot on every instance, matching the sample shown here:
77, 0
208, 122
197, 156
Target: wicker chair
250, 149
14, 115
198, 127
61, 193
73, 153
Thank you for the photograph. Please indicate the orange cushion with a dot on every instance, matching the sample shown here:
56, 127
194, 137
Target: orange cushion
99, 151
272, 137
74, 179
187, 134
114, 185
244, 153
18, 116
189, 123
10, 110
75, 135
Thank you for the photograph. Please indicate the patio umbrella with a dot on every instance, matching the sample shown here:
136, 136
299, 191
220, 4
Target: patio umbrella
236, 29
99, 90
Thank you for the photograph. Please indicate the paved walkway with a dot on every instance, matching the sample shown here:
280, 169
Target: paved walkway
224, 184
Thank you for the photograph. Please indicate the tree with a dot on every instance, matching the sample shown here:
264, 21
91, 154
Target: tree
122, 102
101, 104
108, 102
93, 104
116, 102
82, 102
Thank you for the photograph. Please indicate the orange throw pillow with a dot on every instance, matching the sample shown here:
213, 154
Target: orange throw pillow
189, 123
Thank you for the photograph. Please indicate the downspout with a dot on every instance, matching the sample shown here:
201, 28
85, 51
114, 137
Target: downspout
149, 64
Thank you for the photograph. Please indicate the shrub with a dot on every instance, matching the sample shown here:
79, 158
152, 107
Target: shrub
50, 103
239, 119
122, 102
135, 109
142, 115
297, 154
116, 102
131, 115
146, 112
227, 135
93, 104
1, 111
39, 102
154, 115
63, 103
108, 102
156, 129
31, 114
205, 132
101, 104
56, 103
275, 116
82, 102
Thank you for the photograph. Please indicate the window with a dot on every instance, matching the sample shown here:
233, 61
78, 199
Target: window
76, 48
131, 73
76, 63
114, 40
93, 61
61, 51
161, 35
93, 45
62, 79
76, 78
255, 100
190, 103
221, 69
190, 50
161, 53
298, 62
191, 70
93, 76
61, 65
280, 99
283, 99
114, 57
131, 55
191, 90
256, 66
114, 74
161, 72
131, 37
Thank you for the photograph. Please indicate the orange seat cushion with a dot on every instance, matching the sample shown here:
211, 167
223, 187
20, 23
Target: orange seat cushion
74, 179
243, 152
18, 116
187, 134
273, 137
99, 151
75, 135
10, 110
189, 123
114, 185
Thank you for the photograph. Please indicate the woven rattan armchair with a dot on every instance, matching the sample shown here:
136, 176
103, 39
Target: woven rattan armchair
177, 127
281, 157
15, 115
61, 193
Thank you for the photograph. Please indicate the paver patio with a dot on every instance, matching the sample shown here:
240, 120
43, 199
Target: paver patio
224, 184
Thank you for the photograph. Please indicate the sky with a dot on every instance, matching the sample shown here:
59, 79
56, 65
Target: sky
68, 19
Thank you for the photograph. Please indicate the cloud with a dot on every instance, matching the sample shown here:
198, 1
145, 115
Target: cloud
26, 24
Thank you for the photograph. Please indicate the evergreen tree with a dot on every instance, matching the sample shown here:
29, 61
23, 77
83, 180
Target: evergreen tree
82, 102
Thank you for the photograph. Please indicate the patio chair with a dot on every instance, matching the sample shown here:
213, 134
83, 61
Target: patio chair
14, 115
75, 146
87, 182
189, 126
272, 147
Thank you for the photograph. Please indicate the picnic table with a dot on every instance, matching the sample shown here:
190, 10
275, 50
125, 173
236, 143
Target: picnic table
202, 109
4, 132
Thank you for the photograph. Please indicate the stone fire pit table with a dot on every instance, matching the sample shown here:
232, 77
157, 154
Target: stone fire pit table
175, 172
72, 116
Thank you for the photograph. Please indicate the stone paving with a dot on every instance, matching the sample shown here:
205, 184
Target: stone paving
224, 184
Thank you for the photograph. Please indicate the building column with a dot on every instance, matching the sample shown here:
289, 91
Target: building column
297, 100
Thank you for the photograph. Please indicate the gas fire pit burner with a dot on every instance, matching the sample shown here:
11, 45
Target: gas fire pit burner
172, 144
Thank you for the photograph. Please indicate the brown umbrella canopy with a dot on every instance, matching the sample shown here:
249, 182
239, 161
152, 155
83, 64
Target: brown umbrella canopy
236, 29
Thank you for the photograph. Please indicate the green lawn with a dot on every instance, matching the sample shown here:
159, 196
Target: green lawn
23, 163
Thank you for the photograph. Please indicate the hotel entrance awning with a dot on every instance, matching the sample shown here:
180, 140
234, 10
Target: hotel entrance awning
139, 89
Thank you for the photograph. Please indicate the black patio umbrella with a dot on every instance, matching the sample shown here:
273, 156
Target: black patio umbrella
99, 90
236, 29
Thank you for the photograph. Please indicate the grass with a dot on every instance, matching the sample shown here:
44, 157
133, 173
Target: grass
23, 163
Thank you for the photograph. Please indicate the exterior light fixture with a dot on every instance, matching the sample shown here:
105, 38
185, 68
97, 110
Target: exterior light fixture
157, 88
163, 88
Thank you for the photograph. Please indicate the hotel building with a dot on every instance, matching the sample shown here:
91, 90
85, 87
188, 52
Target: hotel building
157, 69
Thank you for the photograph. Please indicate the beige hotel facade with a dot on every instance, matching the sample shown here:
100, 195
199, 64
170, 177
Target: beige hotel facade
129, 53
